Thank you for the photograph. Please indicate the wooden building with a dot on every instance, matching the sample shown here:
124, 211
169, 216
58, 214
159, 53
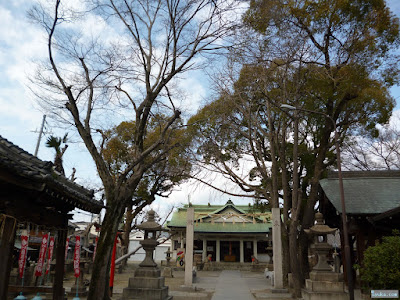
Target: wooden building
225, 233
31, 191
372, 201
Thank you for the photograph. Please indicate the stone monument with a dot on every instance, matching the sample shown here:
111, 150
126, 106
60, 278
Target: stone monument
324, 284
189, 247
167, 271
147, 282
277, 248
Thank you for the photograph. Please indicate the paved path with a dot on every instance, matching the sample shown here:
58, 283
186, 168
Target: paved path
231, 285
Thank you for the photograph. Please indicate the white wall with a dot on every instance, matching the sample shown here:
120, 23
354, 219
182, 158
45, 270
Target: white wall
159, 252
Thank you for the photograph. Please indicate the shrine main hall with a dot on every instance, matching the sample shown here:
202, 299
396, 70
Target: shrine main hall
225, 233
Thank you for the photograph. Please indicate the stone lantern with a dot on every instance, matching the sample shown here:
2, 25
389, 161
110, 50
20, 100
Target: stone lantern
168, 256
324, 284
167, 271
147, 282
149, 243
321, 246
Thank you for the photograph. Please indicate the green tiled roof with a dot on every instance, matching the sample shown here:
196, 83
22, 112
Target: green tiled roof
179, 217
232, 228
364, 195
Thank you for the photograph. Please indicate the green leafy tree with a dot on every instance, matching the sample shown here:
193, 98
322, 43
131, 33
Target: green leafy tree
166, 171
55, 143
339, 64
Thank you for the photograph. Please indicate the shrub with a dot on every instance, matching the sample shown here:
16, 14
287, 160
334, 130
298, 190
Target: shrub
381, 266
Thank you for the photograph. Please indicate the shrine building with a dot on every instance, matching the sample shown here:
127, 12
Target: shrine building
225, 233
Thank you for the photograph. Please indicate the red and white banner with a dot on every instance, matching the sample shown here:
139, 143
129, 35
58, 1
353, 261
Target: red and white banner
22, 255
77, 254
51, 248
66, 248
42, 256
95, 248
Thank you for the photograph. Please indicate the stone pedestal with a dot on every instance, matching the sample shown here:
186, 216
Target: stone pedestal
82, 290
147, 283
324, 286
167, 272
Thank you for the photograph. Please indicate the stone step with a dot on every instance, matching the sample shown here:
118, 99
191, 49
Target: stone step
181, 295
273, 294
145, 293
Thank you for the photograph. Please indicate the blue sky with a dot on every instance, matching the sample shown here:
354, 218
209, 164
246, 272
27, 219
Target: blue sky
20, 44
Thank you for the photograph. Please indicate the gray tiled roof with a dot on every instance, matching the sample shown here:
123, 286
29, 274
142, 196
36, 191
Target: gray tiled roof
364, 195
26, 167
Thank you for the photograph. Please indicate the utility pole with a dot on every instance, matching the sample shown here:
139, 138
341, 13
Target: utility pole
40, 136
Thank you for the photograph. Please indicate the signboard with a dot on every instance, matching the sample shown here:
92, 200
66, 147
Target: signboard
22, 255
42, 256
77, 255
180, 257
51, 248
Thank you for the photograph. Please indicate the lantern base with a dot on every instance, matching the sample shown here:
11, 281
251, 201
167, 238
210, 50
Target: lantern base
325, 286
147, 283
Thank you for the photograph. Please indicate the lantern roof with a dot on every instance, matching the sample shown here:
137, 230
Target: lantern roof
150, 224
320, 228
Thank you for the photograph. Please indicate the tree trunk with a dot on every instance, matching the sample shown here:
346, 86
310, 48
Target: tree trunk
304, 244
99, 283
125, 237
294, 259
285, 253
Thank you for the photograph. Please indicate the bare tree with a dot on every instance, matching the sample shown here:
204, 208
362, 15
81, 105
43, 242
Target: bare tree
366, 153
123, 69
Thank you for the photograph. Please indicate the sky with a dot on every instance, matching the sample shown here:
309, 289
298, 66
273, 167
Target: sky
22, 43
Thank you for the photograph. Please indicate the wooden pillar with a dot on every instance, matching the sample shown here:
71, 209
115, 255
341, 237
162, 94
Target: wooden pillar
204, 255
360, 246
241, 251
8, 227
255, 248
58, 291
218, 250
371, 236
